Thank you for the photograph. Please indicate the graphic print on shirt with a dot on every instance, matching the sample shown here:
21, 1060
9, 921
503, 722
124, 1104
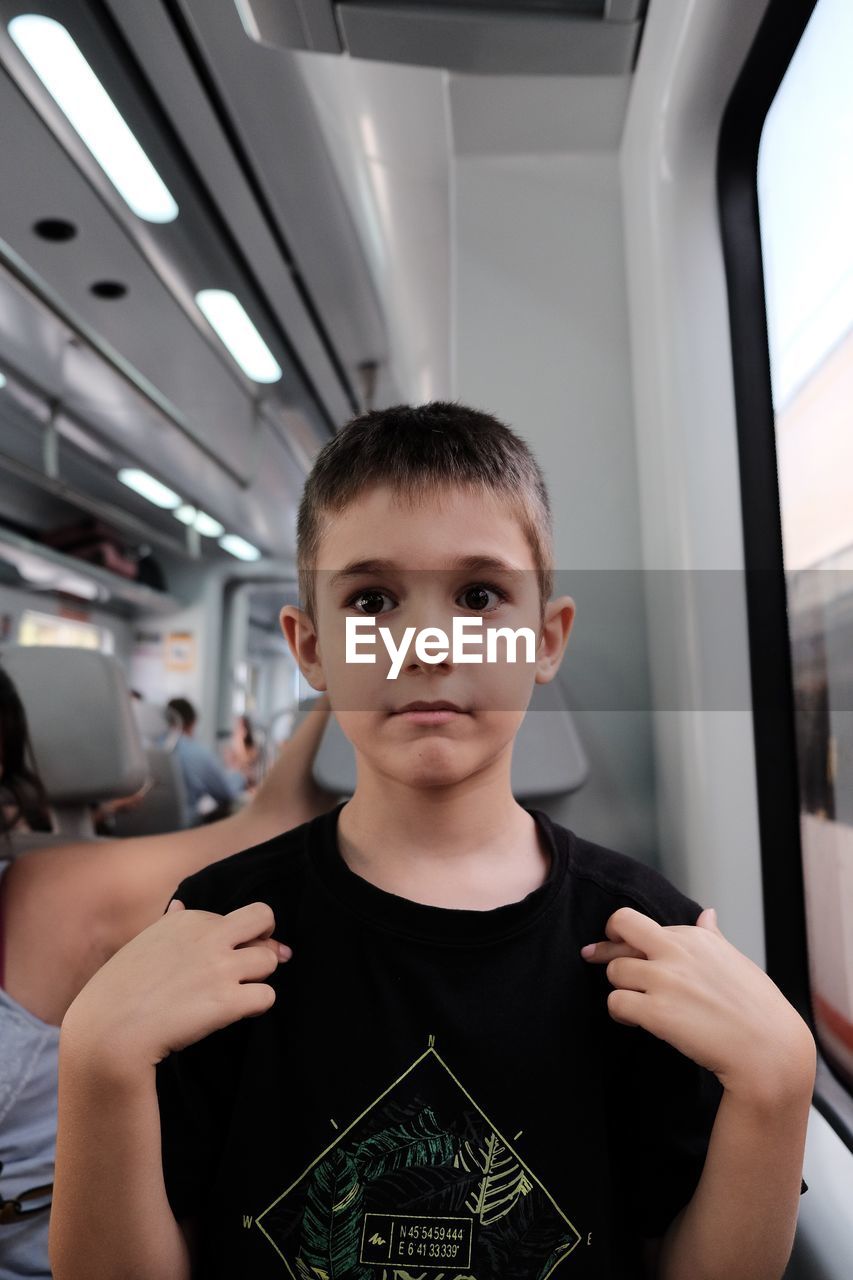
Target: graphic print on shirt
421, 1186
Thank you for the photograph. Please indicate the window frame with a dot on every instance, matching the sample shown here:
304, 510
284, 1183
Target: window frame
771, 670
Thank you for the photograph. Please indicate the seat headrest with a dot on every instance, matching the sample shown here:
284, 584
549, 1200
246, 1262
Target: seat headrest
83, 731
547, 760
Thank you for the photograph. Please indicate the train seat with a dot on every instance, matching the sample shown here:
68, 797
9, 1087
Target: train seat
164, 807
548, 758
84, 736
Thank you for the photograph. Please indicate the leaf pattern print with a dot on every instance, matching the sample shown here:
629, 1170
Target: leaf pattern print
504, 1181
395, 1273
421, 1141
331, 1224
420, 1175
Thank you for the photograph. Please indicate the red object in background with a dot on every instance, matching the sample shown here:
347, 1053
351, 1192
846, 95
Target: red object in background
97, 543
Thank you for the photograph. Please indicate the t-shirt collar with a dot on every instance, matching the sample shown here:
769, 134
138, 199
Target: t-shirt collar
443, 925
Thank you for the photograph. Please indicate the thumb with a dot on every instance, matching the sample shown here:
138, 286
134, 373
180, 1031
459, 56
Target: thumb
174, 905
708, 920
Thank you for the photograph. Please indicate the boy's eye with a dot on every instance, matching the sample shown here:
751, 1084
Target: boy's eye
369, 602
475, 597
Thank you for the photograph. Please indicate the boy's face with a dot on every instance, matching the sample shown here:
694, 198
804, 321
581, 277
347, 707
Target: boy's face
401, 563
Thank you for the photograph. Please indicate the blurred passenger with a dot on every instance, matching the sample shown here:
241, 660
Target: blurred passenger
204, 773
244, 755
64, 911
104, 815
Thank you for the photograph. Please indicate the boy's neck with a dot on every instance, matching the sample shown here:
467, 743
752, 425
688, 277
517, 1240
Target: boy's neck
471, 846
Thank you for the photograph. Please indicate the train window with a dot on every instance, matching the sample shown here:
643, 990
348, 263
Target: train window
805, 205
52, 629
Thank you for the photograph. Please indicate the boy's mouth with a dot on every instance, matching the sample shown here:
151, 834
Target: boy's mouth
439, 712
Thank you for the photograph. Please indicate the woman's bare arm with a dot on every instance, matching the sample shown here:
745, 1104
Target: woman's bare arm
142, 873
91, 898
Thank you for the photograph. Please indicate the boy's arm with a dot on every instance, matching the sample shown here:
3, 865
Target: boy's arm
110, 1202
690, 988
741, 1220
191, 973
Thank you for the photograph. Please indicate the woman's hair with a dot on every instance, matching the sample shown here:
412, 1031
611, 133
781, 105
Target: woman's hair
248, 736
22, 793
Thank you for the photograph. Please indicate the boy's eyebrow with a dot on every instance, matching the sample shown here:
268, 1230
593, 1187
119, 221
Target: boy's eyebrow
470, 564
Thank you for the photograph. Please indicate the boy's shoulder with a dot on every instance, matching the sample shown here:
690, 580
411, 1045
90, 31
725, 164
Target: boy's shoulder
618, 879
276, 870
251, 875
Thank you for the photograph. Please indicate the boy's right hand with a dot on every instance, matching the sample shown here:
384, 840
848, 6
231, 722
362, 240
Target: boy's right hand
185, 976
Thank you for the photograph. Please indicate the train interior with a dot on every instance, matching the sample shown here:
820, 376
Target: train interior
624, 228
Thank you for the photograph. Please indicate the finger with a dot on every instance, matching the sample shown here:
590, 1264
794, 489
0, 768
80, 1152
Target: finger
639, 931
253, 963
626, 1007
602, 952
280, 950
261, 937
175, 905
254, 998
629, 974
256, 920
708, 920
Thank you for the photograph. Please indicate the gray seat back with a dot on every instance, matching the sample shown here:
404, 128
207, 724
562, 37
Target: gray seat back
548, 758
164, 806
85, 741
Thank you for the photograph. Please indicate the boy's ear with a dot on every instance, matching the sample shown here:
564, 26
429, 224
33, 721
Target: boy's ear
554, 636
304, 644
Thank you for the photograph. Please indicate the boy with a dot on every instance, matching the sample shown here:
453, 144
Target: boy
437, 1083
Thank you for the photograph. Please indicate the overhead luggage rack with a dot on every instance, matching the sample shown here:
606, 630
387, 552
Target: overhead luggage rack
106, 588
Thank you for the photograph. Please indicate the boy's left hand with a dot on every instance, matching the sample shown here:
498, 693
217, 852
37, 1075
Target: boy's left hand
688, 985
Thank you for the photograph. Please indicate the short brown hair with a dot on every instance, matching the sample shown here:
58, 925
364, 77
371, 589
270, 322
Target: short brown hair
419, 450
184, 710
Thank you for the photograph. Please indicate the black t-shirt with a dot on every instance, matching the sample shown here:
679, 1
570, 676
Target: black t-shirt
436, 1093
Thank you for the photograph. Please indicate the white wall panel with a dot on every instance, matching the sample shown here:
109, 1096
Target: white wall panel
542, 341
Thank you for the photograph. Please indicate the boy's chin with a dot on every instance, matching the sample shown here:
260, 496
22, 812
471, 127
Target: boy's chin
428, 765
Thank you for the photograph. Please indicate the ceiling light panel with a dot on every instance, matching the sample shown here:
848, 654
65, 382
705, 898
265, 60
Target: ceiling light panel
227, 316
147, 487
200, 521
57, 61
239, 547
207, 526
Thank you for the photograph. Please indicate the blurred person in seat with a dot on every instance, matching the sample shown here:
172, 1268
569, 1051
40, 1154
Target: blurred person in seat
205, 777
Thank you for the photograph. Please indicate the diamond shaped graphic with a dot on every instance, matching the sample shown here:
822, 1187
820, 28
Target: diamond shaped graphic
421, 1186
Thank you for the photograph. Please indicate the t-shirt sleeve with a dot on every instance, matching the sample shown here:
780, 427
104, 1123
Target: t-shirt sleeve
662, 1104
663, 1121
187, 1134
192, 1095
